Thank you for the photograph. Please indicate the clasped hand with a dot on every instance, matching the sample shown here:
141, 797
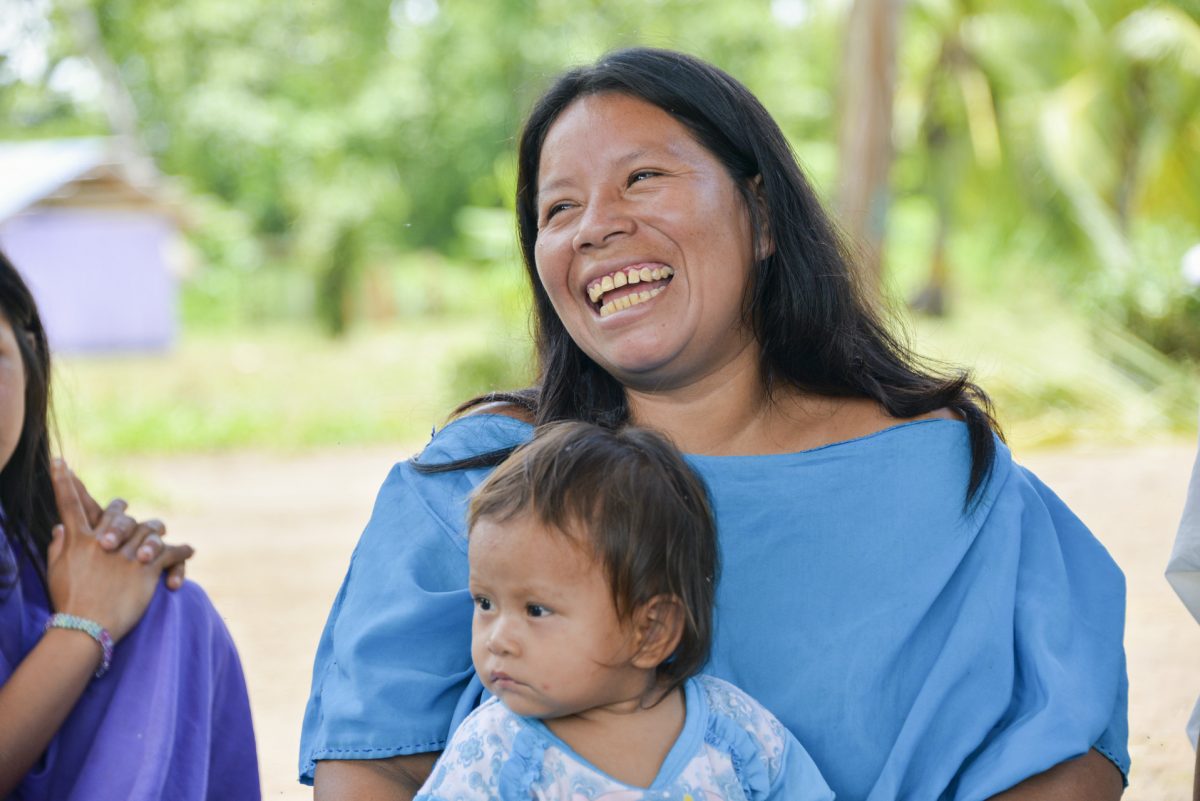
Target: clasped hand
103, 564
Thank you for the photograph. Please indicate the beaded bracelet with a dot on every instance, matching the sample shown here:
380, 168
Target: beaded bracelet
90, 628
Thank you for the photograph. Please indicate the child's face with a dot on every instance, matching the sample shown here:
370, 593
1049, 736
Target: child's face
546, 637
12, 391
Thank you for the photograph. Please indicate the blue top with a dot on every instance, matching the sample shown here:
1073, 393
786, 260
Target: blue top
917, 650
730, 748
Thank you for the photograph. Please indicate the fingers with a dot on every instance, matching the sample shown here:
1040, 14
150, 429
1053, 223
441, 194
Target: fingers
118, 528
176, 575
173, 559
146, 542
57, 536
91, 508
110, 524
70, 507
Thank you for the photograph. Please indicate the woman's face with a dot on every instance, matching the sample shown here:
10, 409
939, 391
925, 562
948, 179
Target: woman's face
12, 391
644, 244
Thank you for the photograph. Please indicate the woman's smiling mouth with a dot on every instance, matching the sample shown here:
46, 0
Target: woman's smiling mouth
618, 291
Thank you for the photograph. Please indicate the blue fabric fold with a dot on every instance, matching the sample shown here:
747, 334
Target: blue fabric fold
749, 764
524, 766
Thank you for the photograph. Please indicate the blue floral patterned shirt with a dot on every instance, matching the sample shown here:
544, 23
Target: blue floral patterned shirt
730, 749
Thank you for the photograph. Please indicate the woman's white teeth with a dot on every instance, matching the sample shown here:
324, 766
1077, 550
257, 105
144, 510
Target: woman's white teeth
632, 299
622, 277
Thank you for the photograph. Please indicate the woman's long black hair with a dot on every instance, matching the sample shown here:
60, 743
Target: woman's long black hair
817, 327
26, 492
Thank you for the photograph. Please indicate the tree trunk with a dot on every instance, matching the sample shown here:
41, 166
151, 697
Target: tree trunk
865, 137
118, 103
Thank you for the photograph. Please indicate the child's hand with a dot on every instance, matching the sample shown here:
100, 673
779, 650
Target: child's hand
143, 541
109, 588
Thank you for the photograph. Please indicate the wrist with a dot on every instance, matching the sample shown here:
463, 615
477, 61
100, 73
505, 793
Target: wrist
90, 628
88, 609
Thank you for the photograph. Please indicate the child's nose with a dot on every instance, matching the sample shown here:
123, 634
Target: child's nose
501, 641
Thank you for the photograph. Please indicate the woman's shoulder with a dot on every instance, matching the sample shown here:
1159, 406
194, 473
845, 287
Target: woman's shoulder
805, 422
479, 431
857, 418
504, 408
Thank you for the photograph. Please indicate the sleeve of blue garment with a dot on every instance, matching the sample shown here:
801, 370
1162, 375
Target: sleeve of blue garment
393, 671
799, 777
768, 760
1069, 690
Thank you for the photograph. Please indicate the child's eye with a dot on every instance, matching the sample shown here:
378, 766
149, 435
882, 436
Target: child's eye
484, 603
642, 175
536, 610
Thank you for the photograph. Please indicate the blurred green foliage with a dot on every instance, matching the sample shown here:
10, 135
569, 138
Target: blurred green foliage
322, 137
353, 163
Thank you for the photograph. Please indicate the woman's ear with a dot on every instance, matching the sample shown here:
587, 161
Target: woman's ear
658, 627
764, 243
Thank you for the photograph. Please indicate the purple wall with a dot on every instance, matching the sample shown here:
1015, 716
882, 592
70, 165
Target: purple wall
100, 277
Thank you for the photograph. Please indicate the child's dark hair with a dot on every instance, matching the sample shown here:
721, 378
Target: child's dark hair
26, 492
640, 507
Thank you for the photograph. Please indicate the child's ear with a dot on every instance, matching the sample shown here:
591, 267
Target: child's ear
658, 626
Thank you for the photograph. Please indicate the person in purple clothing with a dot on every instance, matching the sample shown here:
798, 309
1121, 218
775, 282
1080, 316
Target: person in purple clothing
118, 680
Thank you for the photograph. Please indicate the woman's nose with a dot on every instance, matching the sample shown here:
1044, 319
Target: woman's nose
603, 220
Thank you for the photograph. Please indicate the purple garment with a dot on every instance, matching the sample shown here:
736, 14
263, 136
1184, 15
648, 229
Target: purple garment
170, 719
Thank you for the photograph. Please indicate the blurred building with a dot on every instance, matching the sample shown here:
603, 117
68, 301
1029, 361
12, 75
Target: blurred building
93, 242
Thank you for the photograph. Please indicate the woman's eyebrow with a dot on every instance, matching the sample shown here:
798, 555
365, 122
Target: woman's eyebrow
553, 185
628, 158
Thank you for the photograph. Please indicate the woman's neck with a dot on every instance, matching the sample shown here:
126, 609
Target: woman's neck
732, 414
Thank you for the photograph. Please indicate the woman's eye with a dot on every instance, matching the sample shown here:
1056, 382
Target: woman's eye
483, 603
536, 610
642, 175
555, 209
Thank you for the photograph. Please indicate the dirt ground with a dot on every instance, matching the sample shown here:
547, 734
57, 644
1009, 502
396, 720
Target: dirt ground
274, 535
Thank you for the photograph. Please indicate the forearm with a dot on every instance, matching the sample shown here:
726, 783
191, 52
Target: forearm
1090, 777
38, 696
394, 779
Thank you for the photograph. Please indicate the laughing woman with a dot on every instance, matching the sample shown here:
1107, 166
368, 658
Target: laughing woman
924, 614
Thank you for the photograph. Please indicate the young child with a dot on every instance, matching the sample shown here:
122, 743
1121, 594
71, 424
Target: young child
593, 565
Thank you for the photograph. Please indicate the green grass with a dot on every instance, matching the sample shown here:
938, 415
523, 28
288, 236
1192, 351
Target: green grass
282, 388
